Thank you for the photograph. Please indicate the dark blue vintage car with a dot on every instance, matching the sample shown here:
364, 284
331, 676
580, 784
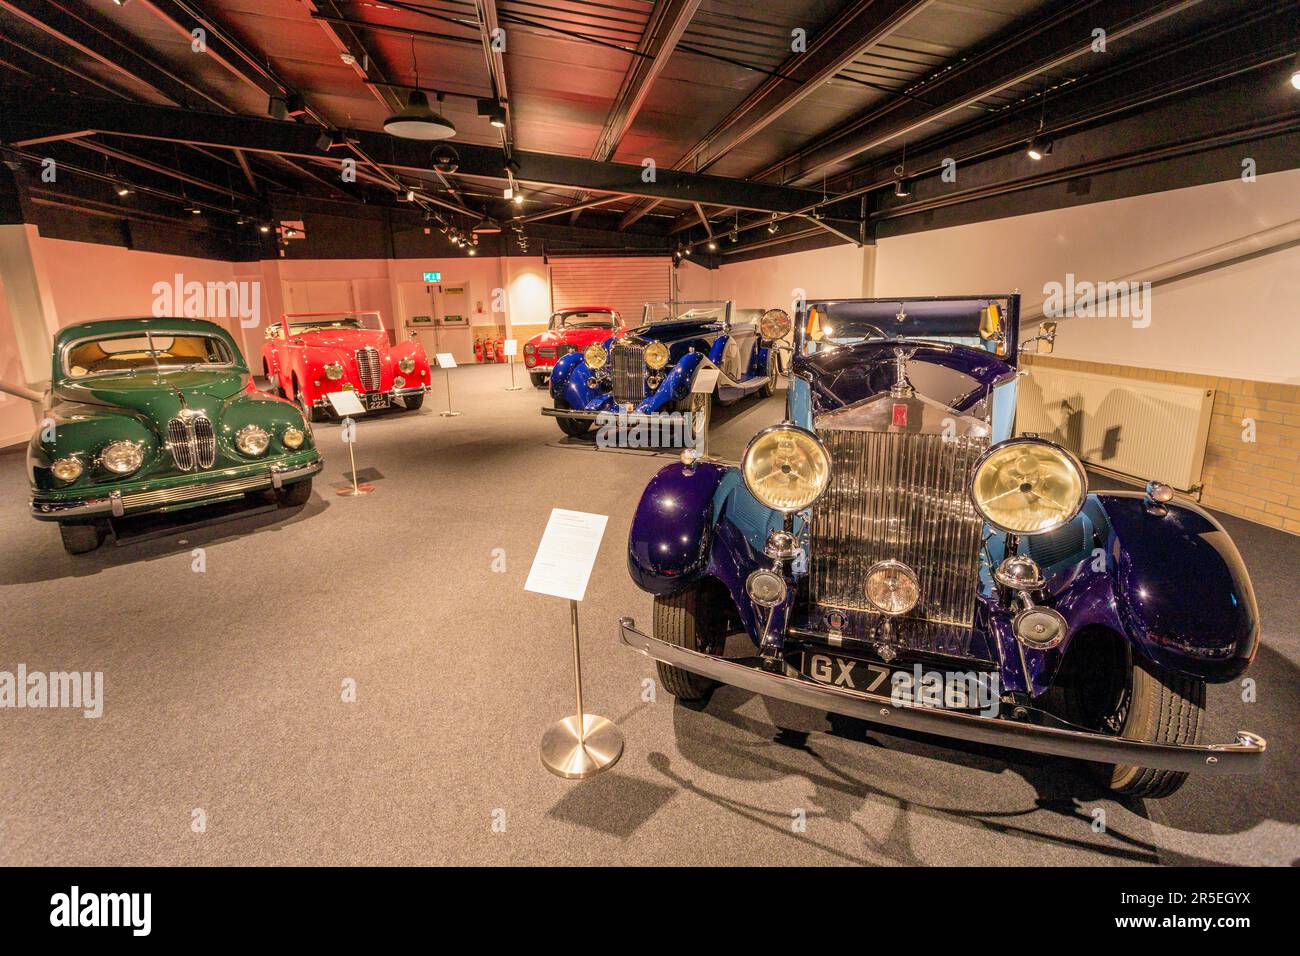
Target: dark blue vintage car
652, 369
897, 556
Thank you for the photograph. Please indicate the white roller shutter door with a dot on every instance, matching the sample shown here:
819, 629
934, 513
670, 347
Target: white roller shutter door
625, 284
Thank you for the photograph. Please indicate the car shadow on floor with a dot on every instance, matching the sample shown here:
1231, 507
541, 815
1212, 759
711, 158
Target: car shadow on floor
1211, 812
154, 536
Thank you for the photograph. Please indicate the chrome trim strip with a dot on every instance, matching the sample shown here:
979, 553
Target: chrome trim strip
117, 504
1242, 756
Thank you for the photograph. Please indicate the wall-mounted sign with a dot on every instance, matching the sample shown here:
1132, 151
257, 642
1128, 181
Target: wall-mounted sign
454, 320
422, 320
433, 277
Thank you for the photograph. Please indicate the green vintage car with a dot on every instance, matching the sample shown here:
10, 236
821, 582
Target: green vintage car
152, 415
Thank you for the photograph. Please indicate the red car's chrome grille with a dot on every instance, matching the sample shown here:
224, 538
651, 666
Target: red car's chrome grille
192, 442
368, 369
546, 353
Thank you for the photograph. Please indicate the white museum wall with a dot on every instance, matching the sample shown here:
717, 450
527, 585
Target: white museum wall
842, 271
1240, 321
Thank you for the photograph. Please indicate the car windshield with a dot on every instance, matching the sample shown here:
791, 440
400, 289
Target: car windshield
656, 312
586, 319
157, 350
368, 321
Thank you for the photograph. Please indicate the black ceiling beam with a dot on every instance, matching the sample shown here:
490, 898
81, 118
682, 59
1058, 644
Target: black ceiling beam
110, 46
855, 30
55, 113
1040, 47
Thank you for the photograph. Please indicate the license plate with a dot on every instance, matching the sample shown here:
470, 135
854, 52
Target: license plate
375, 400
912, 684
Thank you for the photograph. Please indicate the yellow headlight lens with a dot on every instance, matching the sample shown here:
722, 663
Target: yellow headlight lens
292, 437
774, 325
786, 468
595, 356
66, 469
656, 355
1028, 486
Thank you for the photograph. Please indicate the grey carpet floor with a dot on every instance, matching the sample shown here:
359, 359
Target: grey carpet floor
223, 694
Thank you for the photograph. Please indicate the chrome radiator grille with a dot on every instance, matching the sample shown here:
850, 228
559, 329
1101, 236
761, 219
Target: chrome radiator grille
901, 496
192, 442
368, 368
627, 366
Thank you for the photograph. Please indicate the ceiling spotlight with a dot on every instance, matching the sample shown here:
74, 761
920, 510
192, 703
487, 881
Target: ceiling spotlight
486, 226
1039, 147
713, 246
196, 211
123, 189
508, 192
773, 226
410, 195
473, 251
519, 197
1295, 72
494, 110
686, 251
264, 228
902, 188
417, 120
735, 236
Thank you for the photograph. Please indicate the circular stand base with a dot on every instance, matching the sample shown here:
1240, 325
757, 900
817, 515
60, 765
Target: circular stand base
564, 755
514, 388
357, 492
449, 414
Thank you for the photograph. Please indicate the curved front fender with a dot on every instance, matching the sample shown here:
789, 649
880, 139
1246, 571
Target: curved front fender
672, 530
1181, 588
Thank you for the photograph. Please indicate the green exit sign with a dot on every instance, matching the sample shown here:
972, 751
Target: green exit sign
433, 277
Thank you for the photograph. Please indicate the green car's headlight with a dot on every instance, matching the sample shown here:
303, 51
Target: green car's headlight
252, 440
121, 457
334, 371
293, 437
66, 469
1028, 486
595, 356
406, 365
786, 468
656, 355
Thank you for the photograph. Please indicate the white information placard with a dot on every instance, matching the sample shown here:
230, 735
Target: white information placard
446, 360
512, 347
567, 554
706, 380
346, 403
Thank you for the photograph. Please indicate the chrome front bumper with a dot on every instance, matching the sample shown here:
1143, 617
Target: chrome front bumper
323, 403
612, 417
1243, 756
116, 504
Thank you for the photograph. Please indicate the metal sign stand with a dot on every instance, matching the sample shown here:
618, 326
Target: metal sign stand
448, 413
512, 387
584, 744
358, 488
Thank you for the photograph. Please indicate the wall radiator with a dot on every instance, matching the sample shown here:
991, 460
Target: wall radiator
1137, 428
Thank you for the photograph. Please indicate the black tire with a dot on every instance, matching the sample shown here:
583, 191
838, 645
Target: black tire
294, 495
81, 538
1141, 701
769, 387
696, 619
573, 427
414, 402
539, 379
1165, 708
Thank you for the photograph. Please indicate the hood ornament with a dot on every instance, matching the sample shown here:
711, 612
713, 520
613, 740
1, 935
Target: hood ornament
902, 388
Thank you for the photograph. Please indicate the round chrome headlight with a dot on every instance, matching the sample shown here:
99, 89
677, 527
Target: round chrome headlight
765, 588
406, 365
121, 457
252, 440
656, 355
594, 356
334, 371
66, 469
399, 382
774, 325
892, 587
786, 468
293, 437
1028, 486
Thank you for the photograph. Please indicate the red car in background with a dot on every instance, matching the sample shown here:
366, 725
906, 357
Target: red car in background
308, 355
571, 330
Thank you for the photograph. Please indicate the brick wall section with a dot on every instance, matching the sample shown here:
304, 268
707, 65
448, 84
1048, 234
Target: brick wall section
1259, 480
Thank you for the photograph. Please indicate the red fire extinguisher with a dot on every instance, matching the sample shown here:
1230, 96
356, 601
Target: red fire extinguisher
478, 350
501, 350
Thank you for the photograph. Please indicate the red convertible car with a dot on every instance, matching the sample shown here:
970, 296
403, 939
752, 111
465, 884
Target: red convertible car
308, 355
571, 330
